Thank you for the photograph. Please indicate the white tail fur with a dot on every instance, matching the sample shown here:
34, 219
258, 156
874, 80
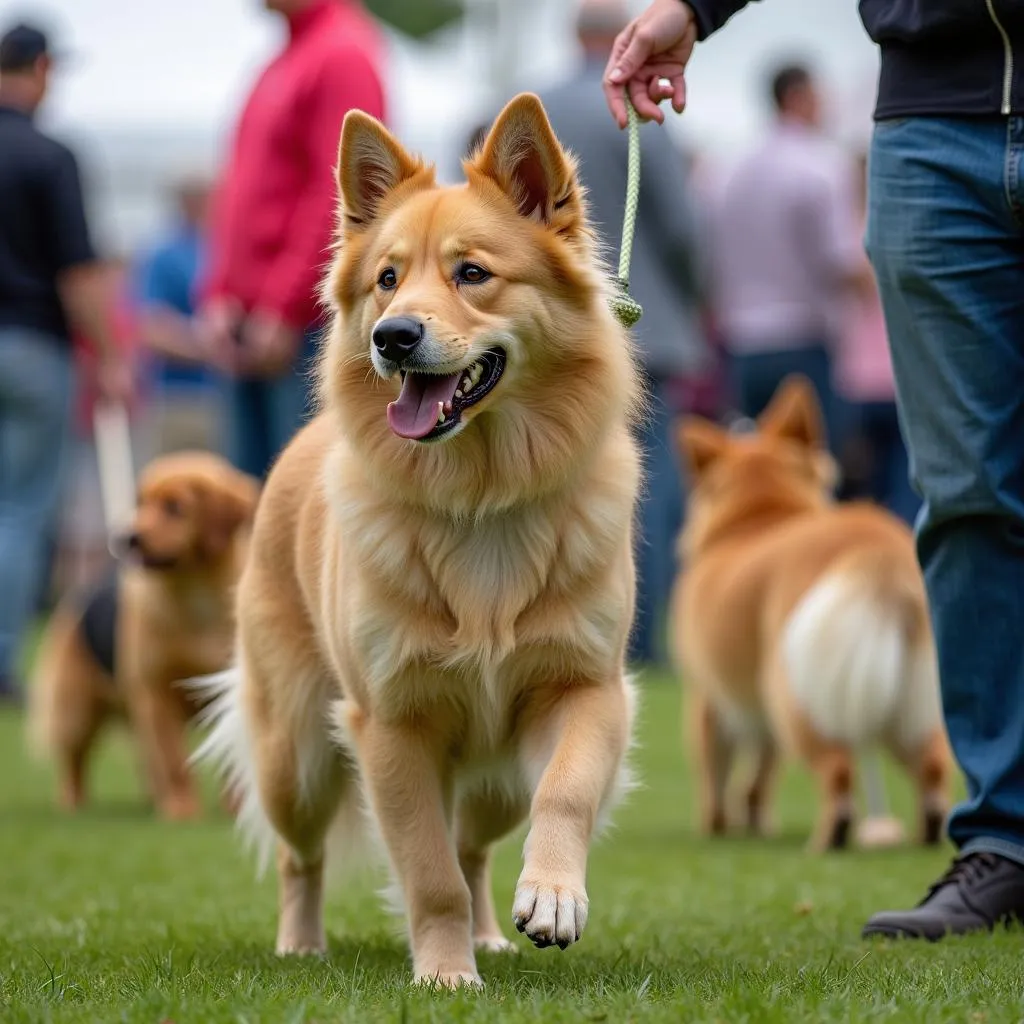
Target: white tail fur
228, 749
858, 665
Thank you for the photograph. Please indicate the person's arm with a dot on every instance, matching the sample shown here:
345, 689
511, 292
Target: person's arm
711, 15
650, 54
81, 280
162, 328
290, 294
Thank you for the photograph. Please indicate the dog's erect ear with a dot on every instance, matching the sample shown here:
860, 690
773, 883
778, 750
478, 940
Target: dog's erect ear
794, 413
371, 164
700, 443
522, 155
225, 506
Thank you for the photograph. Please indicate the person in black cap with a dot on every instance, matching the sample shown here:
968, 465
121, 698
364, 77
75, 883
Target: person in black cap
50, 282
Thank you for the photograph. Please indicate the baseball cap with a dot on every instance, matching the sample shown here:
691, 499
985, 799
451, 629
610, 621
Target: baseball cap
22, 45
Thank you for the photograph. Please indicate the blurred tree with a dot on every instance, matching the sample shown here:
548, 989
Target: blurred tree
416, 18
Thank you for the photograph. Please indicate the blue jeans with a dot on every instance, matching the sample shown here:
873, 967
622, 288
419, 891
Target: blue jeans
756, 375
36, 390
659, 518
946, 237
265, 415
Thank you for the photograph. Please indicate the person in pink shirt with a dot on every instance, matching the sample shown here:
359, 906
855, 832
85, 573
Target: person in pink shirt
273, 219
873, 452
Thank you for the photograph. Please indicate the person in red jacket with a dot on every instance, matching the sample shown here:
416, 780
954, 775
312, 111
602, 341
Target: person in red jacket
273, 219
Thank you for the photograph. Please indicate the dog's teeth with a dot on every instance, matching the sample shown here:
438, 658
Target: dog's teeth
458, 392
440, 412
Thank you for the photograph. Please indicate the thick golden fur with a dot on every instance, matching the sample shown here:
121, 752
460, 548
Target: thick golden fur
175, 620
459, 608
800, 625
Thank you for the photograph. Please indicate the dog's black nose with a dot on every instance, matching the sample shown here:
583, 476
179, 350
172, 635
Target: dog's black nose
396, 337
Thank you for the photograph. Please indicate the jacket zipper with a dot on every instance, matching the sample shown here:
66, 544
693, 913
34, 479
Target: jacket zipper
1008, 59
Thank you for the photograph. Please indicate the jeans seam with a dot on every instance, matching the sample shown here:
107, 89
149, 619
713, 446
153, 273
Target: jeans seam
1011, 176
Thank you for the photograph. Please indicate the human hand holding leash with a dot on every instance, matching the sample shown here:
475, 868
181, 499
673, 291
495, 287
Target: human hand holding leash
216, 332
269, 345
648, 60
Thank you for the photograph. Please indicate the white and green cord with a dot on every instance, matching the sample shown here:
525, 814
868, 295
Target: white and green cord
624, 306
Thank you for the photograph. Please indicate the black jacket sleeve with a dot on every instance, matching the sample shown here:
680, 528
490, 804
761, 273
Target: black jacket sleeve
711, 15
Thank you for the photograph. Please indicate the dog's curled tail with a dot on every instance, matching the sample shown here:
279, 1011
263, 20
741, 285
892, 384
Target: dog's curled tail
227, 748
858, 652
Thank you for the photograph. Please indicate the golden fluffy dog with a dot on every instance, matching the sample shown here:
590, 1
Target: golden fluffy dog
165, 616
800, 624
442, 562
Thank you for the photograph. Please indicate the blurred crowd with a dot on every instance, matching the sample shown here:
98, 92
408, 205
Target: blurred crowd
210, 331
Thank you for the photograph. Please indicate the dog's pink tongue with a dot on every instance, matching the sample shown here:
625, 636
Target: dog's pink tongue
414, 413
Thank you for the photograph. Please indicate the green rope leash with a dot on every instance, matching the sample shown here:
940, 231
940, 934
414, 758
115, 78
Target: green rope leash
626, 309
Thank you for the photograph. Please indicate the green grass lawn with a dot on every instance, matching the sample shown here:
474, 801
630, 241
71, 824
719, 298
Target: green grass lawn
113, 916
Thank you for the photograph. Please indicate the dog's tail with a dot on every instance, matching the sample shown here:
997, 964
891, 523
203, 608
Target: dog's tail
859, 656
47, 716
351, 841
227, 747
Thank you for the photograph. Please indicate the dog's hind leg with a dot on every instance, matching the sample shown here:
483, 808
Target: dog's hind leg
480, 820
302, 777
761, 788
716, 752
73, 756
929, 764
271, 737
833, 766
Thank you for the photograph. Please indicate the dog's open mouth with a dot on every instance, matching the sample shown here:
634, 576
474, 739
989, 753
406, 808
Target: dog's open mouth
431, 404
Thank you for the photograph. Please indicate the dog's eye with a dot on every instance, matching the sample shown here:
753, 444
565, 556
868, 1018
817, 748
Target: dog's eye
388, 279
172, 507
471, 273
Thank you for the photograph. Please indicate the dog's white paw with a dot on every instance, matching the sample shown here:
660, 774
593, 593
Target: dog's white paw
550, 914
450, 979
300, 949
495, 944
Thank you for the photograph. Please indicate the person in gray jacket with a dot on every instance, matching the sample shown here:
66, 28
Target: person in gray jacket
664, 278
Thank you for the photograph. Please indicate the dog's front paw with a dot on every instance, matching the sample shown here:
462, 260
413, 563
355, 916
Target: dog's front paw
550, 914
297, 947
450, 979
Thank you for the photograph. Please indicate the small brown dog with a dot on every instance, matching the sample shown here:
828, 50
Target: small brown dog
801, 625
166, 615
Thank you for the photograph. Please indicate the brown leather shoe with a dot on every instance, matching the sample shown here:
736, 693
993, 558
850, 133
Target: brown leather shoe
978, 892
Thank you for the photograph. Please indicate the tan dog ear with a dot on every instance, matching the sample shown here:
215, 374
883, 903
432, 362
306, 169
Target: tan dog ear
225, 506
700, 442
523, 156
372, 163
794, 413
